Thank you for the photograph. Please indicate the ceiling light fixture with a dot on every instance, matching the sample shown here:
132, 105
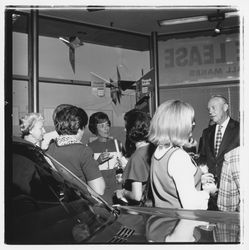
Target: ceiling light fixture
15, 17
217, 29
212, 18
182, 20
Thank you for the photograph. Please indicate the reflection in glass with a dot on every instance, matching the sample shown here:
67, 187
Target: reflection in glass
159, 229
227, 233
174, 230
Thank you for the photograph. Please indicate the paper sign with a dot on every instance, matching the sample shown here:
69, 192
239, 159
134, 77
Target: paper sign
98, 85
112, 163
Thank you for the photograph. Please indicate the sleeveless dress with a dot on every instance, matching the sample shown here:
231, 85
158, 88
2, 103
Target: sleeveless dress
163, 185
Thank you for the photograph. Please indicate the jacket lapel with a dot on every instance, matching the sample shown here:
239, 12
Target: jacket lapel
211, 139
226, 137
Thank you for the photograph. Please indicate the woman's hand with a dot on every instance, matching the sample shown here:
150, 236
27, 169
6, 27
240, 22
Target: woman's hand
210, 187
207, 178
204, 168
120, 196
103, 157
120, 193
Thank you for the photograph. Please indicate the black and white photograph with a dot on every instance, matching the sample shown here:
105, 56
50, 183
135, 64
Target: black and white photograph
124, 124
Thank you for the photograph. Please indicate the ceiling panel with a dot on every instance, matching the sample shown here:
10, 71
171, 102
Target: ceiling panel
139, 20
129, 28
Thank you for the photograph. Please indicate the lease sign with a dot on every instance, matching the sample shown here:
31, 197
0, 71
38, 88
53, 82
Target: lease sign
201, 59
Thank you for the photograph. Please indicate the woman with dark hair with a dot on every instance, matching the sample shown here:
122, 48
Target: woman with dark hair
59, 108
52, 135
106, 150
136, 173
130, 146
68, 149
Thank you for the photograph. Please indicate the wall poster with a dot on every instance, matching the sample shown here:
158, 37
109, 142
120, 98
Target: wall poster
144, 87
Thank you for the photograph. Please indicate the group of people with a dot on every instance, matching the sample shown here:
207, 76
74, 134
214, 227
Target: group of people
154, 162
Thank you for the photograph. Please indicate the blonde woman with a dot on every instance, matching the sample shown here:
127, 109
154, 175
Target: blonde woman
175, 179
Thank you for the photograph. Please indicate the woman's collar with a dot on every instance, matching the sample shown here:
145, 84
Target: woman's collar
63, 140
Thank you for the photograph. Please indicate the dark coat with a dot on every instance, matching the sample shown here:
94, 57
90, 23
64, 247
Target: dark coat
230, 140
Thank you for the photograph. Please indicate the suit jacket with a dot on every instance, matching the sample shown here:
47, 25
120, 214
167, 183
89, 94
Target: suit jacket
230, 140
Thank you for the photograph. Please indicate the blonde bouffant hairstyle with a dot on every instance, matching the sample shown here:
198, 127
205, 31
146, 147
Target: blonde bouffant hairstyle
27, 122
172, 123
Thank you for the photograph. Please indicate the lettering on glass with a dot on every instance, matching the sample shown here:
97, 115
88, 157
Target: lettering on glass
199, 59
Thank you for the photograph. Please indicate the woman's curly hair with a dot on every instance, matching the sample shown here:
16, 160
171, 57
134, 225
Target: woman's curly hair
137, 124
69, 120
27, 122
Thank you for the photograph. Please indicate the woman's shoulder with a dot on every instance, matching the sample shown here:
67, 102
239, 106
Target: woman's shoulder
140, 154
173, 152
180, 154
82, 150
77, 147
93, 142
142, 151
82, 146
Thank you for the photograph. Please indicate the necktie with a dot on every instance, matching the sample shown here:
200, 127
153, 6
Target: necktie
218, 140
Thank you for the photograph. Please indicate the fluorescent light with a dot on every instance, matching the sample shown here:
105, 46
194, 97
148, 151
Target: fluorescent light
63, 39
72, 41
231, 14
193, 19
183, 20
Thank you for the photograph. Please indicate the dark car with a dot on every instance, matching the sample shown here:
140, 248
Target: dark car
47, 204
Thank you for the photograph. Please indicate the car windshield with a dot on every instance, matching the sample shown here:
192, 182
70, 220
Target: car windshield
54, 203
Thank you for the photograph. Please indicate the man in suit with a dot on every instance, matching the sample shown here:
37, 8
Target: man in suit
218, 139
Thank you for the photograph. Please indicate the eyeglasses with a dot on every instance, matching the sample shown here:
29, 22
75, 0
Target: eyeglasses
103, 125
